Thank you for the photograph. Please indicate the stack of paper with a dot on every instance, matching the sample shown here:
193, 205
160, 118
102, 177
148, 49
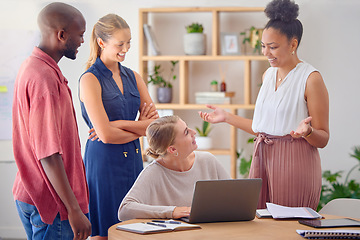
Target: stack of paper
213, 97
278, 211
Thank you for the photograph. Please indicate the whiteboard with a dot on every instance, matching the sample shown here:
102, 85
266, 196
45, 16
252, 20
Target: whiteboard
16, 46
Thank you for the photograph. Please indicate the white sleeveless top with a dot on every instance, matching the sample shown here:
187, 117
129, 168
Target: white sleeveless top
279, 112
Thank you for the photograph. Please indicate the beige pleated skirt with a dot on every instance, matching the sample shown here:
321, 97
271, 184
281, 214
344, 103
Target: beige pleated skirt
290, 169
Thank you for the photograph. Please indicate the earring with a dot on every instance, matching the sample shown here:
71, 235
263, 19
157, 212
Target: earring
293, 52
176, 154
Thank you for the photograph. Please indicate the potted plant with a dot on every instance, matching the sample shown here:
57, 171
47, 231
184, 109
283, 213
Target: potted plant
164, 90
194, 40
203, 141
254, 39
214, 85
333, 188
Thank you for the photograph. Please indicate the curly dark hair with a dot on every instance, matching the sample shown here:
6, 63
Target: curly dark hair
283, 17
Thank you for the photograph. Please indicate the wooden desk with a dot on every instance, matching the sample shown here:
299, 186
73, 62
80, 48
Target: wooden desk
268, 229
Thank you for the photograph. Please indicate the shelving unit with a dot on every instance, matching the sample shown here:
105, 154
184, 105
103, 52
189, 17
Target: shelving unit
215, 55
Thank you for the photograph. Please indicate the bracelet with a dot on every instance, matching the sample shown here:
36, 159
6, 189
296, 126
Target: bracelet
308, 135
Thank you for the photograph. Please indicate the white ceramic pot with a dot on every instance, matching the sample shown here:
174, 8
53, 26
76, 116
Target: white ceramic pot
203, 142
195, 44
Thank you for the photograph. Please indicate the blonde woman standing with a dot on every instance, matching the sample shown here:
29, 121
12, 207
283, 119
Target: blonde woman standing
111, 95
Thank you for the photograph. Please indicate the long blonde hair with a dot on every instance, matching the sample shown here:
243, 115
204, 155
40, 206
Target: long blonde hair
104, 29
160, 135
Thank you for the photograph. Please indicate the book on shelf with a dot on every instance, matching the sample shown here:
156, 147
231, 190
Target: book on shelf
150, 37
214, 94
330, 234
157, 227
213, 100
278, 212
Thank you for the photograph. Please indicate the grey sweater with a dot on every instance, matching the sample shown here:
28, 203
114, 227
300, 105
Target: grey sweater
158, 190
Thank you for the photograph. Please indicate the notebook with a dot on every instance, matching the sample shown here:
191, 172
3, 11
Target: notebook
153, 227
329, 234
224, 200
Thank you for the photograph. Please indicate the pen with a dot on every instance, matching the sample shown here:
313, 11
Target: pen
156, 224
162, 221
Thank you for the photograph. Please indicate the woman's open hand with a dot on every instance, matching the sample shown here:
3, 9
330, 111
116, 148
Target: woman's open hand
303, 129
218, 115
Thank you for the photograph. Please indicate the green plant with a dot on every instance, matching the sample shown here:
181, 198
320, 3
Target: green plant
205, 130
256, 44
214, 82
333, 188
194, 28
157, 79
245, 164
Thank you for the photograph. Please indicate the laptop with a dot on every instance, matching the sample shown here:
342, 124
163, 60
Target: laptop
224, 200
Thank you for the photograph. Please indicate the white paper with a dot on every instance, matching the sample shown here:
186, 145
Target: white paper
278, 211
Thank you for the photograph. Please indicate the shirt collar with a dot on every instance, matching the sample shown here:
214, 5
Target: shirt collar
40, 54
105, 71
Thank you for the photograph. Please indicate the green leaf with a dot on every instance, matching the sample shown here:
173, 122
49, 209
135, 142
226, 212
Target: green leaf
199, 131
195, 28
356, 153
328, 176
205, 126
250, 140
245, 166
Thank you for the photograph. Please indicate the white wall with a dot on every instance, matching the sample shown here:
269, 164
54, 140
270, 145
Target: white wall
331, 34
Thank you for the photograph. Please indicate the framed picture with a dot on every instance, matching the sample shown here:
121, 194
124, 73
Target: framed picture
230, 44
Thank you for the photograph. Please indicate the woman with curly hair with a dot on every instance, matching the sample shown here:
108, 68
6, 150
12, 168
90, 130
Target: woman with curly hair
291, 117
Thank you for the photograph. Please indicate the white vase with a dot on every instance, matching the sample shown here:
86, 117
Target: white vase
195, 44
203, 142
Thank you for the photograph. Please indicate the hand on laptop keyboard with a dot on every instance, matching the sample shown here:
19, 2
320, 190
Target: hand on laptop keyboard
180, 212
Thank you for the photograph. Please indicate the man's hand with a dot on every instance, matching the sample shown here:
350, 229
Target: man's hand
80, 225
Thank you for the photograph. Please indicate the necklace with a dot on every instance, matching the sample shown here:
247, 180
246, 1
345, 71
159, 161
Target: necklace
280, 78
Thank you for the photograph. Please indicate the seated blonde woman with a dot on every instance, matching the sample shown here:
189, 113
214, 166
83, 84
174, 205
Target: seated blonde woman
164, 189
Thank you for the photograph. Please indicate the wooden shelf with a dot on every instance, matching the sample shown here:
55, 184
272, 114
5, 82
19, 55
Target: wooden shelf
204, 58
214, 55
218, 151
177, 106
201, 9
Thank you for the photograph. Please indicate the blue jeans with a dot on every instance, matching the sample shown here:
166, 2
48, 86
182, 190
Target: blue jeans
36, 229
